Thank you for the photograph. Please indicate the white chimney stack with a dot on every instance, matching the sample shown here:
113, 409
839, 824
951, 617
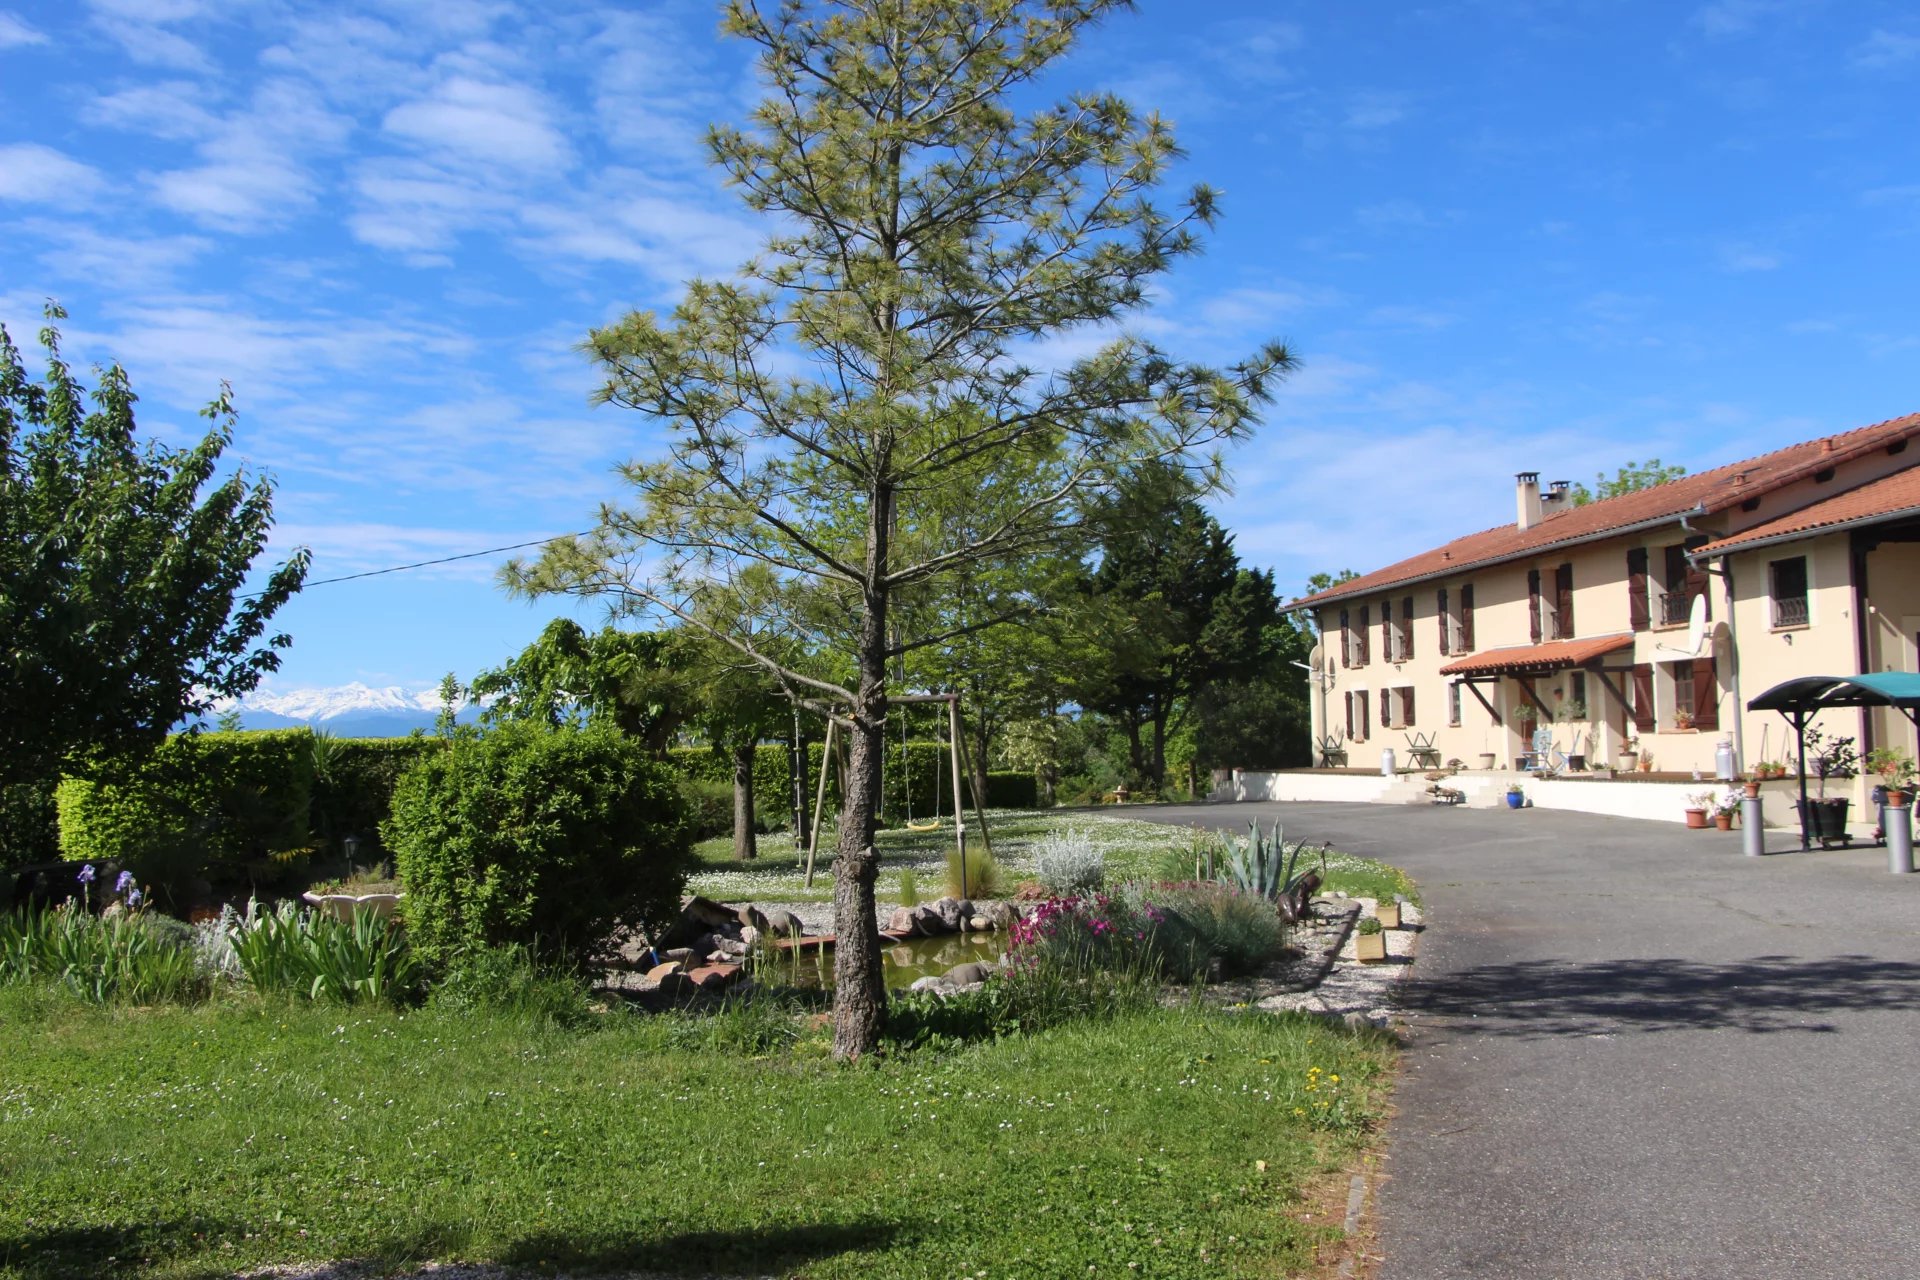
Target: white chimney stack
1527, 498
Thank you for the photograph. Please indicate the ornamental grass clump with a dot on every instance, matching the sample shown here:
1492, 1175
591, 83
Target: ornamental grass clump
983, 879
1068, 865
1239, 930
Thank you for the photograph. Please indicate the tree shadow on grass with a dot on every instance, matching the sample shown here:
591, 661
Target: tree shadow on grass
749, 1251
59, 1252
1762, 995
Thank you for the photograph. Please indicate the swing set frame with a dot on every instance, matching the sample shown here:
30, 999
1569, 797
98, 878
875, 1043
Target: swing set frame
957, 753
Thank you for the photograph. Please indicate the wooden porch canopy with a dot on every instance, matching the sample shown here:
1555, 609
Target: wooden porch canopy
1804, 696
1533, 660
1537, 659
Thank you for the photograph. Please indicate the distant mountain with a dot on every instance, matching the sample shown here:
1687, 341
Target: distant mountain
349, 710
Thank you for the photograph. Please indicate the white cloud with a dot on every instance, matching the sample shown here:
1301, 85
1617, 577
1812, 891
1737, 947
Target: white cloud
1740, 258
1885, 49
253, 167
34, 174
140, 28
111, 263
1373, 110
173, 109
471, 123
14, 32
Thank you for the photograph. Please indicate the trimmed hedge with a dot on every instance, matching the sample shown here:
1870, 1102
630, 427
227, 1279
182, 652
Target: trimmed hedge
541, 837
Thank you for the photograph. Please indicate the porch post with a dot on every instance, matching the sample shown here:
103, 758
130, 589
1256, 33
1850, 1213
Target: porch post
1799, 719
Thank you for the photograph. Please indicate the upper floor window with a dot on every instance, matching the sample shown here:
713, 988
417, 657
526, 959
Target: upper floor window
1560, 617
1396, 631
1683, 583
1788, 582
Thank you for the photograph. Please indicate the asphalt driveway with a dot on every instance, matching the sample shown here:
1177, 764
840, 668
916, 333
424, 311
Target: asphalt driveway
1637, 1053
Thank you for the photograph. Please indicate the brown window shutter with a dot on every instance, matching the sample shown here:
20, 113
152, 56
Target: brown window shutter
1697, 589
1440, 614
1643, 697
1406, 627
1563, 601
1350, 736
1362, 695
1706, 695
1533, 605
1360, 659
1638, 610
1346, 641
1406, 706
1466, 618
1386, 632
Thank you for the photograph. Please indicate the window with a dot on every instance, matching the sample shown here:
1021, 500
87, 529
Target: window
1639, 608
1561, 621
1406, 706
1357, 716
1360, 639
1406, 629
1453, 704
1445, 619
1396, 707
1533, 606
1386, 710
1696, 694
1683, 583
1464, 638
1788, 579
1346, 639
1388, 649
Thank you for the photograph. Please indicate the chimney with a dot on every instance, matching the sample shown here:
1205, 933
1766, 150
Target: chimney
1559, 496
1527, 494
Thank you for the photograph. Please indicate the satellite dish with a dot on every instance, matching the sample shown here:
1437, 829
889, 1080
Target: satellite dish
1313, 659
1697, 633
1697, 625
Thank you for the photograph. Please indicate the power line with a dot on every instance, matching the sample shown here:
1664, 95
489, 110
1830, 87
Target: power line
423, 564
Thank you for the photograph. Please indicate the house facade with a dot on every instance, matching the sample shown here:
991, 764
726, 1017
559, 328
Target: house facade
1636, 628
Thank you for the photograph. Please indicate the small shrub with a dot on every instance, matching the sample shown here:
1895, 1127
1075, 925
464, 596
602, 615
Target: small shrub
709, 807
509, 982
984, 878
1068, 865
1241, 931
1126, 933
544, 837
909, 887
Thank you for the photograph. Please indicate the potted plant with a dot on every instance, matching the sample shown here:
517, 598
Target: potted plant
1682, 719
1486, 759
1896, 768
1829, 757
1646, 762
1725, 809
1388, 914
1515, 796
1369, 944
1629, 754
1697, 806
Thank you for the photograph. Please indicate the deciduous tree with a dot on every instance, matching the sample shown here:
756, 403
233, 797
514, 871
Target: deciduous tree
121, 610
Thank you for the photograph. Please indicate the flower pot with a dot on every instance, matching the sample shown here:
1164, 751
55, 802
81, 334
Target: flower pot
1486, 759
1646, 766
1370, 948
1753, 789
1388, 914
1629, 761
1898, 799
1723, 821
1696, 819
1827, 819
1515, 799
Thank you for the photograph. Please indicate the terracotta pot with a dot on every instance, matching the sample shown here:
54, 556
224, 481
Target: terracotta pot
1898, 799
1723, 821
1753, 789
1646, 766
1697, 819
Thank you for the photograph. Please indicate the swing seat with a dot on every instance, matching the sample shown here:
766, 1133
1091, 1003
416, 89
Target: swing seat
935, 825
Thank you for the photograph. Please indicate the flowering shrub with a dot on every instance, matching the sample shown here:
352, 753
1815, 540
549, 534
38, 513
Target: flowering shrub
1103, 933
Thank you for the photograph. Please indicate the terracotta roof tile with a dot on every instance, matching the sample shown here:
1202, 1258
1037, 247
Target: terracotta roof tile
1551, 656
1708, 492
1882, 499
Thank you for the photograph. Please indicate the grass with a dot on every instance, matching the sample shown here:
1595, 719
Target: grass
192, 1141
1133, 849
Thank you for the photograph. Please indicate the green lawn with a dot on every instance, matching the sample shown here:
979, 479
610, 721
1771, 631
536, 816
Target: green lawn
1134, 849
195, 1142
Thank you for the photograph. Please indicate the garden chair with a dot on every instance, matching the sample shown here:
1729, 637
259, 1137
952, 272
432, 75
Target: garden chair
1543, 758
1333, 752
1421, 752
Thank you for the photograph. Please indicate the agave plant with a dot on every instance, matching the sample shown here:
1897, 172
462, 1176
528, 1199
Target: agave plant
1267, 866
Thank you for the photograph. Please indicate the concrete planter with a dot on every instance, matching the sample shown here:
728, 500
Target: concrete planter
1370, 948
1388, 914
341, 906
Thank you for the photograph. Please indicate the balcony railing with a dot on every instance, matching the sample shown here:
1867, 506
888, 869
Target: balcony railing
1674, 607
1790, 612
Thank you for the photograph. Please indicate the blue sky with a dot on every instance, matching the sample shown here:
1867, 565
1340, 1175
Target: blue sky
1500, 237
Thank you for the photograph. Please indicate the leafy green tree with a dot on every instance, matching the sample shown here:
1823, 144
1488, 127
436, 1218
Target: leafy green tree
121, 611
738, 705
1180, 614
925, 235
637, 681
1631, 478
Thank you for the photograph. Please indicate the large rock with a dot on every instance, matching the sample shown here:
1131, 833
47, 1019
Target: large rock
700, 916
968, 974
930, 922
1003, 914
661, 972
953, 913
783, 924
979, 924
901, 921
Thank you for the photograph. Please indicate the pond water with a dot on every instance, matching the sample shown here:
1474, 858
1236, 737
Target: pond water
906, 962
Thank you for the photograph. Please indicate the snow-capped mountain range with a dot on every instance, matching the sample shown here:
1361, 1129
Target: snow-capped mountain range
350, 710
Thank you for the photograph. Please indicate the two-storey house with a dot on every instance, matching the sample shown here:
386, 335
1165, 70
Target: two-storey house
1639, 623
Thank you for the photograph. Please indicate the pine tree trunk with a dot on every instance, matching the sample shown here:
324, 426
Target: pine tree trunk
860, 993
745, 844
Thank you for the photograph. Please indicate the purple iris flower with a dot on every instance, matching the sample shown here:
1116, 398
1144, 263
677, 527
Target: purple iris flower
133, 897
120, 885
86, 874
